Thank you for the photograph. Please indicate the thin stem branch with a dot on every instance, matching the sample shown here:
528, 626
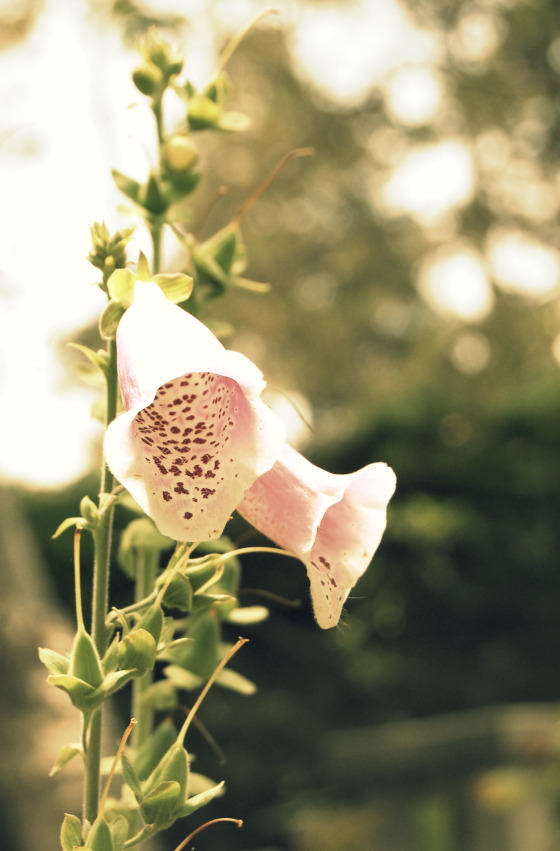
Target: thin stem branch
194, 709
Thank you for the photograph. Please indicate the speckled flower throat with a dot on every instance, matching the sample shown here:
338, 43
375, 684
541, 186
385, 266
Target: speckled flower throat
188, 438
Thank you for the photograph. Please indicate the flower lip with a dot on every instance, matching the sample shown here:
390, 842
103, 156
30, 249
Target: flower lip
195, 434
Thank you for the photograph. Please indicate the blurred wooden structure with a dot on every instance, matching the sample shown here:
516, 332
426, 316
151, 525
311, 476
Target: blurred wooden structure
480, 780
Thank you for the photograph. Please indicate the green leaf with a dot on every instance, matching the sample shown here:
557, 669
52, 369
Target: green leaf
83, 695
235, 682
66, 524
55, 662
129, 187
131, 777
183, 679
200, 800
71, 832
66, 753
161, 696
233, 122
179, 594
99, 359
247, 615
116, 680
203, 654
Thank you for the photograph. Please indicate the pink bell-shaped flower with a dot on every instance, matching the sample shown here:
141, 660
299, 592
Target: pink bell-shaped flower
333, 523
195, 434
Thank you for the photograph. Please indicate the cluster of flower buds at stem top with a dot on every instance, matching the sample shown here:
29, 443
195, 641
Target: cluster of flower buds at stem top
160, 63
108, 251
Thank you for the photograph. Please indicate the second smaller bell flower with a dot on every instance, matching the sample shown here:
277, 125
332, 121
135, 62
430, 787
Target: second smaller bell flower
333, 523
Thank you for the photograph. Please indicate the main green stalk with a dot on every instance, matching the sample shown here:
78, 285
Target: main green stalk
101, 565
146, 567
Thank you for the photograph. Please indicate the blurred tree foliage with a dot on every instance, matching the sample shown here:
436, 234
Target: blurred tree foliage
460, 607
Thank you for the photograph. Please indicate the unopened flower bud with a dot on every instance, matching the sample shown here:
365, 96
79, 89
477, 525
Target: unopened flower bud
203, 113
137, 651
147, 78
180, 154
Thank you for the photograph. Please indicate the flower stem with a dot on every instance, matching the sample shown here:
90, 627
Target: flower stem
101, 563
155, 233
146, 566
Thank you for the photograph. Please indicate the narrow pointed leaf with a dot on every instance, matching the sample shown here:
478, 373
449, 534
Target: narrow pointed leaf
55, 662
66, 753
200, 800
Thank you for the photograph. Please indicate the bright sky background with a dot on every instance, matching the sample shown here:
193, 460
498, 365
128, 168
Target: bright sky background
65, 95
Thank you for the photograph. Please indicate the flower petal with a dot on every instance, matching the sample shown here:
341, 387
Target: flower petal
195, 434
333, 523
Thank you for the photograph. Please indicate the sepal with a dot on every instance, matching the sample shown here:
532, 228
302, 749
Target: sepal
109, 319
71, 833
197, 801
99, 836
152, 750
119, 831
66, 753
54, 662
127, 185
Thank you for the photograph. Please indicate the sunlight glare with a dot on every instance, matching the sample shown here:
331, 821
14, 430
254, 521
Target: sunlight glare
454, 283
521, 264
429, 181
413, 95
347, 50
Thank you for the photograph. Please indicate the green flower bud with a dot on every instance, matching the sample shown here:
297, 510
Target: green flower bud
152, 621
180, 154
218, 89
152, 751
160, 53
203, 113
84, 660
174, 766
148, 79
137, 651
161, 805
89, 512
153, 198
109, 251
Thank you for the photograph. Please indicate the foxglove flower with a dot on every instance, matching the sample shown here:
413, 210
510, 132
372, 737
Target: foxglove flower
333, 523
195, 433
